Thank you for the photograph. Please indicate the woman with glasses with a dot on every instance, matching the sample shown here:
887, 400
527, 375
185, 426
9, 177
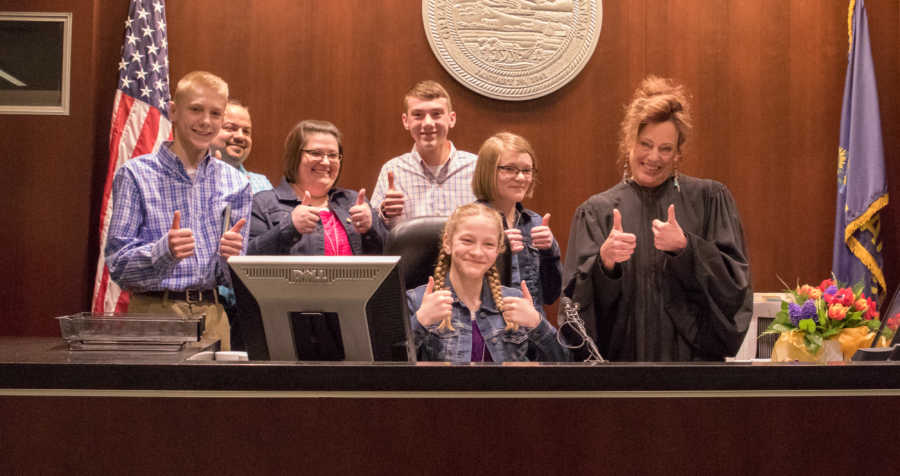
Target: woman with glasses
307, 214
505, 174
657, 263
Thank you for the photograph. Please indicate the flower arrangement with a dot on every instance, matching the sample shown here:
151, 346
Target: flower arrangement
824, 311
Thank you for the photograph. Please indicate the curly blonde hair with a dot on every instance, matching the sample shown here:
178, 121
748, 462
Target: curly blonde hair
442, 266
655, 100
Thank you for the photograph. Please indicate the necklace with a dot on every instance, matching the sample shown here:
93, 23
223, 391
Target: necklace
506, 219
330, 241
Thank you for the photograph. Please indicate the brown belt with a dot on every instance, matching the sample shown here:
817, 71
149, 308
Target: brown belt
191, 296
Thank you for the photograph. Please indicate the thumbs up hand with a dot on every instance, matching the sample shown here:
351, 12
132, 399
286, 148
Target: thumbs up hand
542, 236
305, 217
392, 205
181, 240
232, 242
361, 214
619, 246
516, 243
436, 305
668, 235
521, 311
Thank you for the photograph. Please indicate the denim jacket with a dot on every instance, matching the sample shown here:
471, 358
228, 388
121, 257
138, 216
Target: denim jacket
523, 344
540, 269
273, 233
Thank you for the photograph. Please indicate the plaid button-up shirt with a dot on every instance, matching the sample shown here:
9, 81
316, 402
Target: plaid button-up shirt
147, 190
426, 193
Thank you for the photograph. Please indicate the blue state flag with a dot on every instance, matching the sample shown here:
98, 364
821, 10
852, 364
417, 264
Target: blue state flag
862, 187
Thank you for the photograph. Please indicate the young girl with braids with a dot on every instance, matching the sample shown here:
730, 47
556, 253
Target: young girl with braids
463, 314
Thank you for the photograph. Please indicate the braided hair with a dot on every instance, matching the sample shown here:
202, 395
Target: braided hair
494, 282
441, 268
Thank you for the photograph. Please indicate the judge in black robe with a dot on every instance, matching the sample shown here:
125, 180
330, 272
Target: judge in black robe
655, 303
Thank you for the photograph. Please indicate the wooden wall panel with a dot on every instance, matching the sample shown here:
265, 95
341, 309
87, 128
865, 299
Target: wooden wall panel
429, 436
767, 78
47, 193
884, 16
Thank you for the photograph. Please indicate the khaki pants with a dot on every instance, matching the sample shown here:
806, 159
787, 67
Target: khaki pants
216, 320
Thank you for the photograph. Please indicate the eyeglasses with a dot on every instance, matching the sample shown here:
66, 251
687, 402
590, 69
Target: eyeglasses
321, 154
234, 128
513, 171
666, 151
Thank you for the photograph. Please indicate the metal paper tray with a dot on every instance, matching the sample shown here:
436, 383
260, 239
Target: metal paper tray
112, 331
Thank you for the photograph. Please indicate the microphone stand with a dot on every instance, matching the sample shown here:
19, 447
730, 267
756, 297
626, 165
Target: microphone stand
574, 320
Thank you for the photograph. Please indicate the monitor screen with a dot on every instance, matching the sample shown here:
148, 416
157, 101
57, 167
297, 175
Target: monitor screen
286, 304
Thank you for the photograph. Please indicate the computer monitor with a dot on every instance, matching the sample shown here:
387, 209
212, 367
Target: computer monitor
360, 297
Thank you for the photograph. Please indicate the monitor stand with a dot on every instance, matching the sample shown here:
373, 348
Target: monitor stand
317, 335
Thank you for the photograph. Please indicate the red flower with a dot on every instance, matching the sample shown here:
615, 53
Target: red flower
871, 313
837, 312
844, 297
894, 322
806, 291
824, 285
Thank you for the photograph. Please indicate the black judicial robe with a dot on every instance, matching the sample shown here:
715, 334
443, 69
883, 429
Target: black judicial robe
659, 306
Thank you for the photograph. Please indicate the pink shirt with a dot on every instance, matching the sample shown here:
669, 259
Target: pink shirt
336, 241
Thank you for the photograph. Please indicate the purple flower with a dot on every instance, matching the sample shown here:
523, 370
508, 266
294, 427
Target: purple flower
806, 311
831, 289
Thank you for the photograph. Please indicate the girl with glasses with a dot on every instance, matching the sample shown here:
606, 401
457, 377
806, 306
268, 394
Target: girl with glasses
505, 175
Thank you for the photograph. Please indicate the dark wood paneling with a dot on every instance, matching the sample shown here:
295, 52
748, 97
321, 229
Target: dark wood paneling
47, 193
445, 436
884, 16
767, 77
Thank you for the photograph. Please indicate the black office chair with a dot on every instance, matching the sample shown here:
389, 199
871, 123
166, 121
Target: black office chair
417, 241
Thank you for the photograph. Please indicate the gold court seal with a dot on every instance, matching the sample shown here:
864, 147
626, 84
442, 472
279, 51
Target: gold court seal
513, 49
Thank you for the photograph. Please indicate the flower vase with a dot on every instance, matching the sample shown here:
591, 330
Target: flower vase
855, 338
790, 347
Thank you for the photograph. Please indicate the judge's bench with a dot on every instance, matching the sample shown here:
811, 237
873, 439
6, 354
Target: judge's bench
172, 413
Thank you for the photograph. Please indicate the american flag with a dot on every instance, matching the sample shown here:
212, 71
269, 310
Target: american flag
140, 122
